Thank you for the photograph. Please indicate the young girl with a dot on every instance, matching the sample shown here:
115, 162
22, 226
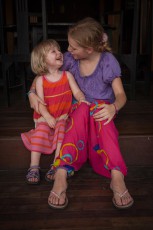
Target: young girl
91, 133
55, 88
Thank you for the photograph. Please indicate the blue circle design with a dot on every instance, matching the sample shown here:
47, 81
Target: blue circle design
67, 155
78, 145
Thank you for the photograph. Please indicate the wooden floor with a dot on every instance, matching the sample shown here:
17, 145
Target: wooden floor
90, 206
24, 207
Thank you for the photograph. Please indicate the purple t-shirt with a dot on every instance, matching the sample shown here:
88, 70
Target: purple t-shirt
98, 85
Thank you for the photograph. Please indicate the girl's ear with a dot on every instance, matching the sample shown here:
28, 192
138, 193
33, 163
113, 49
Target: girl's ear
89, 50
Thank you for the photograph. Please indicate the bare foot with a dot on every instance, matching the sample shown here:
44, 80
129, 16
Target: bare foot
57, 197
122, 198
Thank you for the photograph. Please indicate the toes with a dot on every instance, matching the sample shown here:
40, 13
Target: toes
50, 177
118, 200
126, 199
55, 200
122, 200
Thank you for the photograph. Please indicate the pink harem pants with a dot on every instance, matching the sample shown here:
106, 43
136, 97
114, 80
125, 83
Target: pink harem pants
87, 139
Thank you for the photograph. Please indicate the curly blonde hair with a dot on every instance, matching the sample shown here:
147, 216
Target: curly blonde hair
89, 33
38, 56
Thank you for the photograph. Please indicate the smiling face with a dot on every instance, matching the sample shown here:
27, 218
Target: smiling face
54, 57
46, 56
78, 52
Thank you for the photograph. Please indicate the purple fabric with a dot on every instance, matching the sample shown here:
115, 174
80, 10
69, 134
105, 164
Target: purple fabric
98, 84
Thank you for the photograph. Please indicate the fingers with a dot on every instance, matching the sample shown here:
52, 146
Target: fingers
108, 120
101, 106
36, 108
104, 119
51, 125
104, 114
41, 101
100, 115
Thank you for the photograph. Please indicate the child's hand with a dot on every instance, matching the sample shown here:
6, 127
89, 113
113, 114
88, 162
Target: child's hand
51, 121
83, 100
62, 117
106, 113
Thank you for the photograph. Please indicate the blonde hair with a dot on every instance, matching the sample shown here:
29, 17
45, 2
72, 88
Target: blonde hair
38, 56
89, 33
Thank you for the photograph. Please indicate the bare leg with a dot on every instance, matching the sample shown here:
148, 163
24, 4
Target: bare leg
49, 175
57, 150
118, 186
35, 160
60, 185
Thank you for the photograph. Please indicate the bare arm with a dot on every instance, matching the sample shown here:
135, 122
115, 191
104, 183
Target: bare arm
34, 99
33, 86
120, 96
107, 112
77, 93
42, 108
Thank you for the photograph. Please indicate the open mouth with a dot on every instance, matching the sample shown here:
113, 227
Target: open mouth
59, 59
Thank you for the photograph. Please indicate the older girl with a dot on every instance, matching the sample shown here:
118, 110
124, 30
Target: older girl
91, 133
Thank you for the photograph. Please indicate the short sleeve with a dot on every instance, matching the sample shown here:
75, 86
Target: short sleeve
111, 68
68, 61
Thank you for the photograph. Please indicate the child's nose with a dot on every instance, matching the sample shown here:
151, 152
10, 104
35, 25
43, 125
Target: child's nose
58, 51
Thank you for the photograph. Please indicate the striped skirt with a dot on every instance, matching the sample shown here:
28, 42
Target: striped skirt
44, 139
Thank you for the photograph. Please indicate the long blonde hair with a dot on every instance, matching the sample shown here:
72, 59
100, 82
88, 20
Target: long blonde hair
89, 33
38, 56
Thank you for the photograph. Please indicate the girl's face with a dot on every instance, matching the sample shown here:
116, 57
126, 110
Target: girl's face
78, 52
54, 57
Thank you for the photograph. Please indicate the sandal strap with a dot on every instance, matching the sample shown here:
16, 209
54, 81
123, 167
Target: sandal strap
121, 194
51, 171
34, 167
33, 173
55, 194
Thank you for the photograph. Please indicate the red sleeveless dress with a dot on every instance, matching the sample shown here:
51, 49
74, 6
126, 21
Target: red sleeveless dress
58, 97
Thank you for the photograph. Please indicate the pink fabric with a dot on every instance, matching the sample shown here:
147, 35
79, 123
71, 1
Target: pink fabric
43, 139
87, 139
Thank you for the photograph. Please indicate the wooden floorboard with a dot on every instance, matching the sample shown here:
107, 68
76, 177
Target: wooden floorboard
24, 207
90, 207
